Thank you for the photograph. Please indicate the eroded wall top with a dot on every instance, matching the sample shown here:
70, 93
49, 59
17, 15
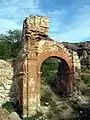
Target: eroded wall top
37, 23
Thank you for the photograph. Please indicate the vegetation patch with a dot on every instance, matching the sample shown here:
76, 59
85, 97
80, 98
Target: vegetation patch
86, 78
8, 106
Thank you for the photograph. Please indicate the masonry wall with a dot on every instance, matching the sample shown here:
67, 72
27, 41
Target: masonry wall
21, 82
77, 66
6, 81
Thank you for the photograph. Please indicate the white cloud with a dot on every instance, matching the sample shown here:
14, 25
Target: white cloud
78, 29
30, 7
7, 24
13, 12
19, 8
56, 20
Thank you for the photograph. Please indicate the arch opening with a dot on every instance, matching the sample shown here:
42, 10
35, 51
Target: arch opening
53, 65
55, 77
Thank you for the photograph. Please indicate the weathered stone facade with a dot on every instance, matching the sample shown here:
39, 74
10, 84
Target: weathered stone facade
36, 48
77, 65
6, 76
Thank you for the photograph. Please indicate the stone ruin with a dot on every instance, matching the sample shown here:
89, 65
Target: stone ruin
36, 47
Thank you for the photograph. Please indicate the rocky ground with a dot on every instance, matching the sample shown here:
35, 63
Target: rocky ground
55, 107
5, 115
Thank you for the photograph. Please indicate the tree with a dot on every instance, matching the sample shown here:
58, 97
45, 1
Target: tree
10, 43
15, 38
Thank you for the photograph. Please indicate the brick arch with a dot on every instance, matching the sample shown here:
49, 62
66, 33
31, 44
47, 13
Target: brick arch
58, 54
35, 29
68, 83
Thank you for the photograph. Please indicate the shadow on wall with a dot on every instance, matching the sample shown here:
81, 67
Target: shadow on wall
15, 89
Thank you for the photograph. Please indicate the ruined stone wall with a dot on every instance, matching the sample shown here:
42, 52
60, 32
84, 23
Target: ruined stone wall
20, 72
10, 74
75, 62
35, 43
35, 48
33, 27
6, 81
77, 66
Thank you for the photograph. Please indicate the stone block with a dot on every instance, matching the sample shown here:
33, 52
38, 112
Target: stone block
14, 116
37, 24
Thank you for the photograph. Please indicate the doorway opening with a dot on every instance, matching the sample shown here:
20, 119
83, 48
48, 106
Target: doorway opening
54, 78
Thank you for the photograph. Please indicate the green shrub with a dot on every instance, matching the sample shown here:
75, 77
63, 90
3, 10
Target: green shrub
86, 78
49, 70
8, 106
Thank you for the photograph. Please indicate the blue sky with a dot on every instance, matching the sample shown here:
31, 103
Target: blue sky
69, 19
